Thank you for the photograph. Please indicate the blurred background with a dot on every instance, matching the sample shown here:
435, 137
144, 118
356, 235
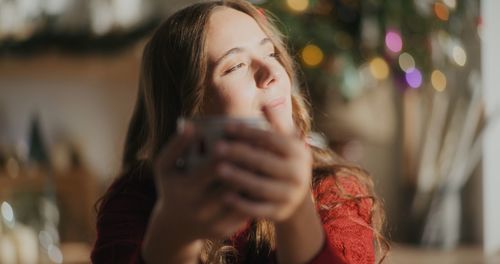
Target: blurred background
408, 89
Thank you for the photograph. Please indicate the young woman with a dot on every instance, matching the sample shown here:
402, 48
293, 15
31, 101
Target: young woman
266, 196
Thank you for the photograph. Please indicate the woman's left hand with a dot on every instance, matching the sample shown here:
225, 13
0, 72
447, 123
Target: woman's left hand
269, 172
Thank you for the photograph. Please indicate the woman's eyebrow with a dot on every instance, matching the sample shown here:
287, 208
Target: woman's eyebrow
236, 50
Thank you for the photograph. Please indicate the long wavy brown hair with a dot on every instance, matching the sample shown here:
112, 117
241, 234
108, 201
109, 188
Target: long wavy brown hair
172, 83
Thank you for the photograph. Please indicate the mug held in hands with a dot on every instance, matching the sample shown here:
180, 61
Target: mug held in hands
209, 130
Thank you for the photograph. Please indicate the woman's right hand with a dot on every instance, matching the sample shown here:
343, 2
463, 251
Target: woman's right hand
189, 204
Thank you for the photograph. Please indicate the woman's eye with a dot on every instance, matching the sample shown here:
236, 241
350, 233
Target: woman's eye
234, 68
274, 55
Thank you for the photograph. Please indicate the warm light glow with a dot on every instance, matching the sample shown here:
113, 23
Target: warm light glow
55, 7
441, 11
459, 56
452, 4
312, 55
379, 68
101, 17
406, 61
414, 78
438, 80
127, 12
393, 41
298, 5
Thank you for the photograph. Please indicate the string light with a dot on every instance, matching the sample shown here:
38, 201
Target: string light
441, 11
406, 61
452, 4
438, 80
413, 78
459, 55
298, 5
393, 41
312, 55
379, 68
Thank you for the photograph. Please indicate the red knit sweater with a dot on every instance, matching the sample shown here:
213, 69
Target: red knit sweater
123, 218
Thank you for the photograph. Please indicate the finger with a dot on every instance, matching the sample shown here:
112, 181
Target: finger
278, 124
260, 138
255, 159
175, 148
255, 186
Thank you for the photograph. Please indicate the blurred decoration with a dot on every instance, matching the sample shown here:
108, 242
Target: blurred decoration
312, 55
419, 50
356, 54
379, 68
38, 153
393, 41
39, 210
74, 25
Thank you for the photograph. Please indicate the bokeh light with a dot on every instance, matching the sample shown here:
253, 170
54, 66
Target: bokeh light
312, 55
406, 61
45, 239
452, 4
459, 55
55, 254
438, 80
8, 214
379, 68
443, 39
393, 41
298, 5
413, 78
441, 11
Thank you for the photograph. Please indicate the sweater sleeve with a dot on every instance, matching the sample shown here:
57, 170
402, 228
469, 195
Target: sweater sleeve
346, 220
121, 224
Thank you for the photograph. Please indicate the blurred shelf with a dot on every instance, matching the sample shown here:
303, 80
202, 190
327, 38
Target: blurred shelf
76, 193
462, 255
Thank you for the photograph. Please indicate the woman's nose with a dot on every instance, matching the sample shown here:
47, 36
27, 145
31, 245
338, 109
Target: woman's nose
265, 74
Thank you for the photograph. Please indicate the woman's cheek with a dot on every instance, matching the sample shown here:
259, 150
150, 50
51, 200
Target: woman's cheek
243, 103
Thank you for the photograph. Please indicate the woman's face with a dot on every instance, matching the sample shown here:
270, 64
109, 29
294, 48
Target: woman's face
244, 72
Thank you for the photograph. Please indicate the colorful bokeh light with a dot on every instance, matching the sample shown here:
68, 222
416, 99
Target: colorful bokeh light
393, 41
459, 56
441, 11
414, 78
298, 5
379, 68
312, 55
406, 62
438, 80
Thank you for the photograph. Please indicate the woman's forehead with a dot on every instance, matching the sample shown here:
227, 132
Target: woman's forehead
229, 28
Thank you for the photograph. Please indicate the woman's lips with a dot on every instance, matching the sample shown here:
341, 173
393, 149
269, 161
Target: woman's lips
276, 102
